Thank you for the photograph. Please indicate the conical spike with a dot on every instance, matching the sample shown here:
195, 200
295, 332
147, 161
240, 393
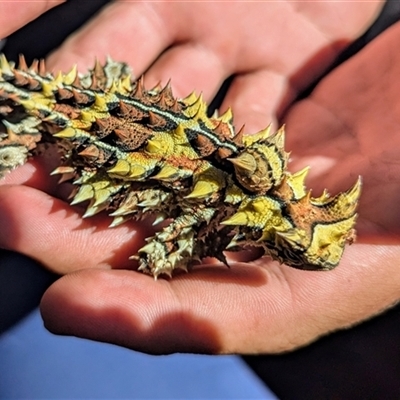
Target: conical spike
67, 133
174, 258
73, 192
118, 212
70, 77
154, 146
149, 203
296, 182
122, 134
126, 83
33, 83
47, 89
224, 152
197, 108
166, 92
62, 170
162, 101
301, 175
201, 112
260, 136
324, 196
179, 135
79, 97
215, 114
98, 69
235, 241
19, 79
122, 168
201, 189
22, 63
305, 199
42, 67
264, 134
5, 66
101, 197
160, 217
85, 192
239, 218
91, 152
192, 98
291, 236
77, 82
128, 206
113, 88
94, 84
58, 80
119, 220
355, 191
176, 107
11, 135
148, 248
203, 141
346, 203
103, 124
139, 89
34, 66
120, 87
156, 88
138, 172
278, 138
87, 116
53, 117
167, 172
28, 104
238, 138
66, 177
244, 161
123, 108
100, 102
93, 210
155, 120
85, 177
227, 116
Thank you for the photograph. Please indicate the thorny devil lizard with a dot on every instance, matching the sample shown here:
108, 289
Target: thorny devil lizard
132, 151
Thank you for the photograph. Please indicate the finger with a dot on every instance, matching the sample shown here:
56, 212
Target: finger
151, 316
190, 67
54, 233
258, 99
131, 32
245, 309
14, 14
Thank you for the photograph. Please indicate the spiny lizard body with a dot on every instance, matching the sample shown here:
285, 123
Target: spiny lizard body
132, 151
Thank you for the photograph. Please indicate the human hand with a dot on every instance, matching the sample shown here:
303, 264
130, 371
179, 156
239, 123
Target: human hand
249, 308
13, 14
274, 49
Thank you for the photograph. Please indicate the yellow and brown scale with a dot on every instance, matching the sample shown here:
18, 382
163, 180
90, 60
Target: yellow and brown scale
135, 152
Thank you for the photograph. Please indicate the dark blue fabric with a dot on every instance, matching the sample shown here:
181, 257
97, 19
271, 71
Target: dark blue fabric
35, 364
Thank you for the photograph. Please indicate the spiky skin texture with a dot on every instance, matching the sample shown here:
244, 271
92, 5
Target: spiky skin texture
133, 152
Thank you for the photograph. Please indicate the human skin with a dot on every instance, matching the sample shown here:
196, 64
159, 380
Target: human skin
274, 49
252, 307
